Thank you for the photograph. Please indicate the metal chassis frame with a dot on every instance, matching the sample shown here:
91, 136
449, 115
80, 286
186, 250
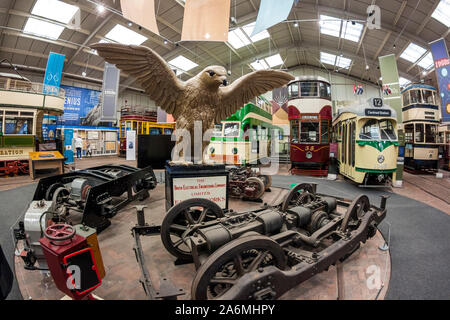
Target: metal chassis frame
95, 214
167, 291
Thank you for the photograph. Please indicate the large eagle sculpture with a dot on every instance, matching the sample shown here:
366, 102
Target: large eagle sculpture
207, 97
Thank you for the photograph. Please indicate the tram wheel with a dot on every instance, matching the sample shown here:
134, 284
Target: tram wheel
223, 269
295, 198
355, 211
180, 222
267, 180
258, 184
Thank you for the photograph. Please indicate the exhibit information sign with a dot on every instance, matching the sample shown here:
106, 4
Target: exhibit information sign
442, 66
211, 188
79, 103
131, 145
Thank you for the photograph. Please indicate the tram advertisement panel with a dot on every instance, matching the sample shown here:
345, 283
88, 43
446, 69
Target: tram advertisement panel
78, 103
442, 63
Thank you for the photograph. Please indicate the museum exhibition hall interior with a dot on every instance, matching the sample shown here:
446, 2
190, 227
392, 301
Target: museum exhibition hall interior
233, 150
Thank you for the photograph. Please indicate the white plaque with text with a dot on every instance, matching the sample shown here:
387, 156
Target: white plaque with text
211, 188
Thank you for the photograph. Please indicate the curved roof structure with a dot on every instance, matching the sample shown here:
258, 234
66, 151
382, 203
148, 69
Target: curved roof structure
332, 35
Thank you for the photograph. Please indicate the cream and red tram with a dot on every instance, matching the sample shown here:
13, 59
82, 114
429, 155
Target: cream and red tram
310, 116
367, 142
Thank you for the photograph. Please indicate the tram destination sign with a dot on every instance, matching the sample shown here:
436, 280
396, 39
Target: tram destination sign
378, 113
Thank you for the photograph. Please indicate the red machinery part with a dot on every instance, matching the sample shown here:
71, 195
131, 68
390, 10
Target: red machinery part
63, 248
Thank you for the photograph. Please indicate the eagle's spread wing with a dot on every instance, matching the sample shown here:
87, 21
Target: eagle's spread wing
248, 87
152, 72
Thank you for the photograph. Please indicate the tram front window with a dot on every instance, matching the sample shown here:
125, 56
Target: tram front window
370, 131
387, 130
428, 97
325, 90
416, 96
309, 132
217, 131
308, 89
293, 90
430, 133
231, 130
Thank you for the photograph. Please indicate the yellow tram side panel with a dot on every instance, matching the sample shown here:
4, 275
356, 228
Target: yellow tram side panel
224, 152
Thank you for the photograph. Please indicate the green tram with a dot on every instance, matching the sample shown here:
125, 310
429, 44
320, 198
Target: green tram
245, 137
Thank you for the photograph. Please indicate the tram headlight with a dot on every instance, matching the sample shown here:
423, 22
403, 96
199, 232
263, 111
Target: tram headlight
380, 159
212, 150
309, 155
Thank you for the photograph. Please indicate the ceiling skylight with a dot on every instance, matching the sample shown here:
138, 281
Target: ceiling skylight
327, 58
182, 64
55, 10
344, 63
330, 25
427, 61
403, 82
274, 61
239, 37
43, 28
442, 12
412, 53
124, 35
257, 37
339, 28
260, 65
351, 31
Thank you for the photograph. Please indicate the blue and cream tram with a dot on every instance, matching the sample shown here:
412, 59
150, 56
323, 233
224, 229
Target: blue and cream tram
420, 123
367, 142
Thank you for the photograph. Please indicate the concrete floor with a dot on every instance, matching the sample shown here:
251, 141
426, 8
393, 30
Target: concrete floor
420, 237
122, 272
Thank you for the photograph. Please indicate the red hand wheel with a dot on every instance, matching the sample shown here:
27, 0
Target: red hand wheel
59, 232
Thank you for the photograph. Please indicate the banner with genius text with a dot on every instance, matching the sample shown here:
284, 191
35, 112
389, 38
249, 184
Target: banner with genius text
442, 67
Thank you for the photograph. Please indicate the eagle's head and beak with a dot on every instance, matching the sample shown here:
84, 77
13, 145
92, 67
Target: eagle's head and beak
214, 76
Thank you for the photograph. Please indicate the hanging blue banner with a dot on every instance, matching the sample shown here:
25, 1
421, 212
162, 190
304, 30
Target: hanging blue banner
270, 13
442, 66
53, 73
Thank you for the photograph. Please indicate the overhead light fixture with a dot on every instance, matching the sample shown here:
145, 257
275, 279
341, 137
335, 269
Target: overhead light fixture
296, 25
55, 10
367, 67
130, 24
424, 72
83, 74
442, 13
413, 52
183, 64
124, 35
100, 8
165, 41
